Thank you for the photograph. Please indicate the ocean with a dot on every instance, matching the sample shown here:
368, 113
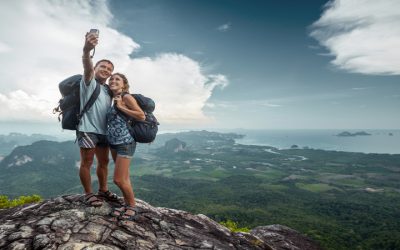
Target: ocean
380, 141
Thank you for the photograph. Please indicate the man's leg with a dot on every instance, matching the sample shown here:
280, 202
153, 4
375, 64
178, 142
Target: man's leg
102, 167
87, 155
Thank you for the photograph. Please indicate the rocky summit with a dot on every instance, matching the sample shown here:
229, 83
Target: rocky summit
65, 223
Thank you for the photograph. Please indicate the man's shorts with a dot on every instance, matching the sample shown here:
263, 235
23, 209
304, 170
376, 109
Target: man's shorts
124, 150
91, 140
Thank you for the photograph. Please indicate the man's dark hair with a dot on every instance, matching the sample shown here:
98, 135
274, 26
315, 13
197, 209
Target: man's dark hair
104, 60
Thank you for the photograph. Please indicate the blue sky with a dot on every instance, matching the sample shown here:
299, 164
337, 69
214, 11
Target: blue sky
218, 63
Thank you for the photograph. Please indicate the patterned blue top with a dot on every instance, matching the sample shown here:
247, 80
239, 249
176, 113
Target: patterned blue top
117, 129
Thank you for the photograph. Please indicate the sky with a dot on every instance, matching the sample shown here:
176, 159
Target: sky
211, 64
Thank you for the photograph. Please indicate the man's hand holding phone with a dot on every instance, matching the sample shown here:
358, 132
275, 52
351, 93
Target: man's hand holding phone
95, 31
92, 39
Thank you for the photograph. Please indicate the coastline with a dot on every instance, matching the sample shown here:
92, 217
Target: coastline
379, 142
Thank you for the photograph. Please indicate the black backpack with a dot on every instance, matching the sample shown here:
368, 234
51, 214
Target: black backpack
69, 105
142, 131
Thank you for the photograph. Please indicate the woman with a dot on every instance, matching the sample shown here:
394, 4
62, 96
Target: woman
122, 144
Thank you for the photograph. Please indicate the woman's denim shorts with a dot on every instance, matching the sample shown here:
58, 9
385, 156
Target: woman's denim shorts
125, 150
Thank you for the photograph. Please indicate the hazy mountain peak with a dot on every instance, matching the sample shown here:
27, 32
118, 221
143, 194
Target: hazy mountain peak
174, 145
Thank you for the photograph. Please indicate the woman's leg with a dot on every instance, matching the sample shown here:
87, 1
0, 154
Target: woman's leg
122, 179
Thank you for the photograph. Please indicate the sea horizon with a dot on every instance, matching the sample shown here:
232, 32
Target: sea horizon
378, 142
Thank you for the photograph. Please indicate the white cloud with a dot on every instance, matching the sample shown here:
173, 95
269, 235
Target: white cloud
361, 88
176, 83
20, 105
45, 46
224, 27
20, 160
244, 104
362, 35
271, 105
4, 48
223, 105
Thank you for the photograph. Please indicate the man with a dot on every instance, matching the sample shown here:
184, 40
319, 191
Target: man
91, 132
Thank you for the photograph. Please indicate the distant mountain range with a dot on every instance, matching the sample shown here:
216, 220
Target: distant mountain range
44, 167
12, 140
50, 168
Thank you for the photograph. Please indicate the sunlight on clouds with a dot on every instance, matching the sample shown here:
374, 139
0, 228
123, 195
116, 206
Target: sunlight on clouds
19, 102
45, 47
362, 35
176, 83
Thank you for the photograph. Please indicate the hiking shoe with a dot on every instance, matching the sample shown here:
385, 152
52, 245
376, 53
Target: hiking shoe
132, 216
109, 196
92, 200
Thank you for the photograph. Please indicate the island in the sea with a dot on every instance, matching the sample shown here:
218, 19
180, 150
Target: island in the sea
346, 134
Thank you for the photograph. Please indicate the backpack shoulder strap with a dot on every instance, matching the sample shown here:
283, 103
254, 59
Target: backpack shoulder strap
128, 119
109, 92
91, 101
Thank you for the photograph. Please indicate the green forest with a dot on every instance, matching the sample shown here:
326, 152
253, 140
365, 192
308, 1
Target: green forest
342, 200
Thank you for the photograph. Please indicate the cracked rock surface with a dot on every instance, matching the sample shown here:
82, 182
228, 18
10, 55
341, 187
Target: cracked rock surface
66, 223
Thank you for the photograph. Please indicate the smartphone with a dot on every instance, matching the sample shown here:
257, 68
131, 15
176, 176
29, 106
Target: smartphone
95, 31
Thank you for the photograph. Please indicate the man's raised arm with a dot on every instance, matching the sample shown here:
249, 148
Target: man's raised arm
91, 41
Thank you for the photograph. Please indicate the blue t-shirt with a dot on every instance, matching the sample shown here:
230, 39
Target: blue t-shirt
117, 129
94, 120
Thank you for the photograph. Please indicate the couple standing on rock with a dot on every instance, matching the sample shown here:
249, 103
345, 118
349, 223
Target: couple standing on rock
101, 129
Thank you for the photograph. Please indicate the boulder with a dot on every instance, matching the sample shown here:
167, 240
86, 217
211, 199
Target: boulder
67, 223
